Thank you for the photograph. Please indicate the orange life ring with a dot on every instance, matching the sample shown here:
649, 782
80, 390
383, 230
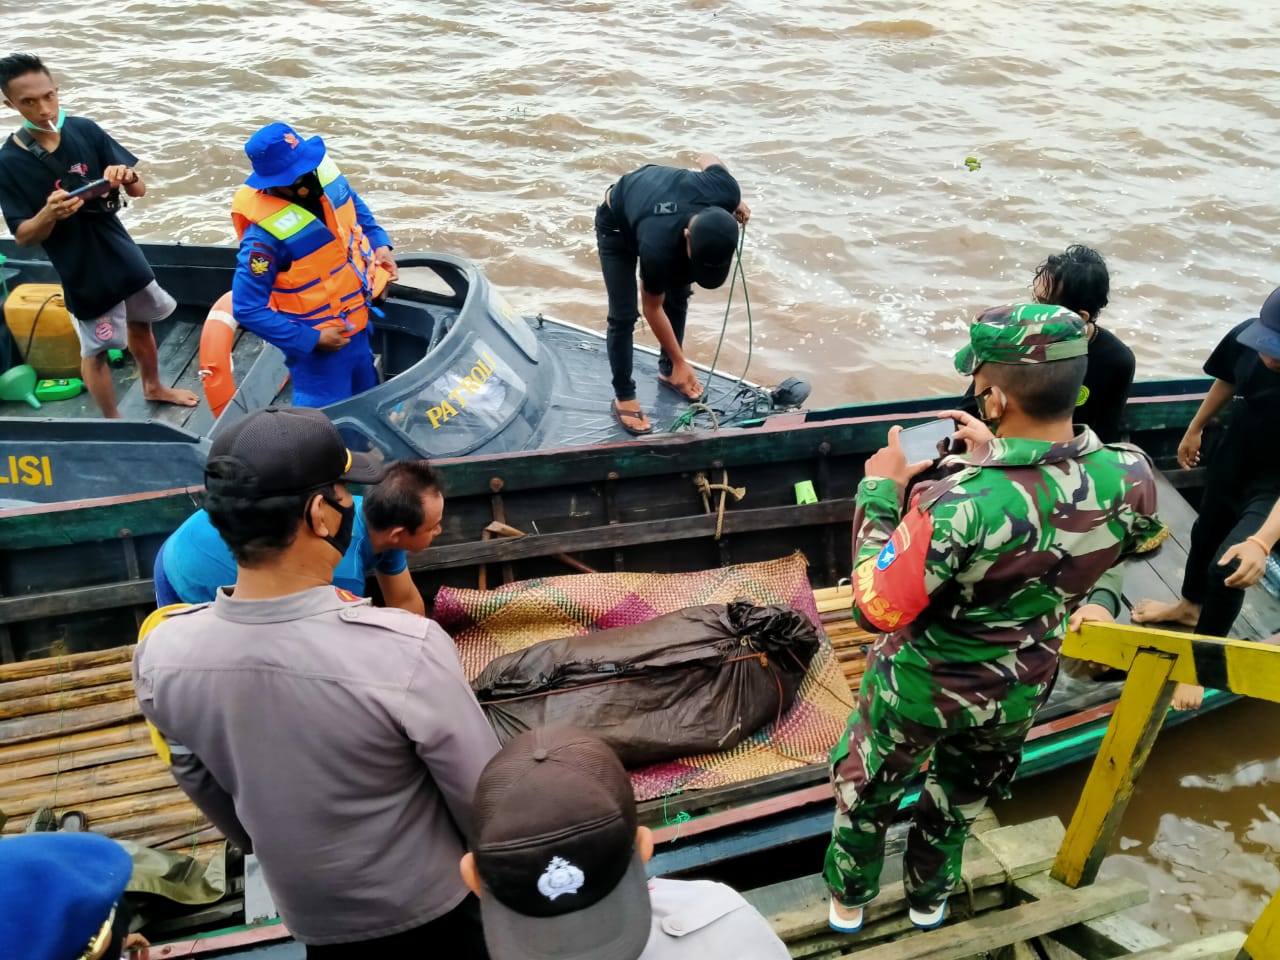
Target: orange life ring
216, 340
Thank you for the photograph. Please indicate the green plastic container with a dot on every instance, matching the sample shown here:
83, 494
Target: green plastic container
47, 390
19, 384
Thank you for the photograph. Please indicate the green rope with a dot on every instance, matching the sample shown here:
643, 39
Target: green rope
685, 419
678, 821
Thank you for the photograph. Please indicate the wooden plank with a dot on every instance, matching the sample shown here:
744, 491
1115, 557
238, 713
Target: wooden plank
669, 530
109, 736
85, 521
76, 600
75, 760
1242, 667
1174, 509
1025, 848
1144, 701
1099, 939
63, 680
891, 927
1001, 928
1220, 946
129, 592
797, 909
1263, 942
47, 725
26, 669
62, 700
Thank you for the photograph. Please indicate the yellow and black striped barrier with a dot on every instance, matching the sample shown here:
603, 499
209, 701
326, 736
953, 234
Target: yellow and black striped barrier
1156, 661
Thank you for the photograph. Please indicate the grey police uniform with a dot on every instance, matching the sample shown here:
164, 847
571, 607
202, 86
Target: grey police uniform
707, 920
339, 741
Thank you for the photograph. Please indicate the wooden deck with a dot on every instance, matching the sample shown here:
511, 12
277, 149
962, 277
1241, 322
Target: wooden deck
1009, 908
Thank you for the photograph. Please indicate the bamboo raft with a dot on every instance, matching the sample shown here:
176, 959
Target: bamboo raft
72, 737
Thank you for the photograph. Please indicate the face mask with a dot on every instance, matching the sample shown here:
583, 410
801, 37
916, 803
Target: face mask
980, 401
307, 186
62, 118
341, 540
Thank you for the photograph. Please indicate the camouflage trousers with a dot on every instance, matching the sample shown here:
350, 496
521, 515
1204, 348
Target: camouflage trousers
872, 766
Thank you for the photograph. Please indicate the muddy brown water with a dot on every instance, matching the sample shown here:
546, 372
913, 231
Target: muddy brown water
491, 129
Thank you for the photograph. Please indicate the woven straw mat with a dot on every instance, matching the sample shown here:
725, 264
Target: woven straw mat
489, 623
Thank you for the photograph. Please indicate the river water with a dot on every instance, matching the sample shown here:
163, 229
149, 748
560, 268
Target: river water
491, 129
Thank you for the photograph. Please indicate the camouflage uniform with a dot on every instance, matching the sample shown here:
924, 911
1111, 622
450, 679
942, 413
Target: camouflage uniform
971, 589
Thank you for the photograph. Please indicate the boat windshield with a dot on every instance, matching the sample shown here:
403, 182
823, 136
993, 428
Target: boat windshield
474, 398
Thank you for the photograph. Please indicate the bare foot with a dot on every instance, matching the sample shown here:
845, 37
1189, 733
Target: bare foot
690, 390
1154, 611
159, 394
1187, 697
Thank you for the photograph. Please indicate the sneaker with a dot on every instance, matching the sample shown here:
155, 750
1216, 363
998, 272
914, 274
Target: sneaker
930, 918
840, 924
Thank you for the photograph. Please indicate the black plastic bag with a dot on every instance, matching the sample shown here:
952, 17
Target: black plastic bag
698, 680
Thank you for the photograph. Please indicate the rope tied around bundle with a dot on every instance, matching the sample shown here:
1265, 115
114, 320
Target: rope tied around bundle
706, 488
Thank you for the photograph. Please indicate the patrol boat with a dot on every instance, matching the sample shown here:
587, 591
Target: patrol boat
75, 581
463, 372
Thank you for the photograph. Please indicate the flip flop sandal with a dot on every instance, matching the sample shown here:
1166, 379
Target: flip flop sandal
680, 393
42, 821
844, 924
627, 418
74, 821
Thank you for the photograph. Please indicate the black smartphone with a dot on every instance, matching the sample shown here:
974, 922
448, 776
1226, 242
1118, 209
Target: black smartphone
96, 188
927, 441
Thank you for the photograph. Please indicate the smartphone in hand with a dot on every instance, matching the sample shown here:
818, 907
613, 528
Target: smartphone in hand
96, 188
927, 441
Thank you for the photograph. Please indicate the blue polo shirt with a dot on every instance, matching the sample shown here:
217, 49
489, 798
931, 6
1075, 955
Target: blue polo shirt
196, 561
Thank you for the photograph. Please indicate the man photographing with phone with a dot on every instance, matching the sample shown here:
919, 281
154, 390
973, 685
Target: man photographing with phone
971, 584
107, 283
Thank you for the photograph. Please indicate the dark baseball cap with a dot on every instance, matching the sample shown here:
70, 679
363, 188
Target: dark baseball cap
713, 240
554, 842
1263, 334
284, 450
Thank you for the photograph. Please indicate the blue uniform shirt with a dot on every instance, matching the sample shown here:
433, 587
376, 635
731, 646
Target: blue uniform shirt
196, 561
251, 292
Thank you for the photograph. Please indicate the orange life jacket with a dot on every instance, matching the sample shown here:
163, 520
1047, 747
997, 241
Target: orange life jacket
332, 278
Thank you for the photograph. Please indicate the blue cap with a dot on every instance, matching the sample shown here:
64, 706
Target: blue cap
1263, 334
57, 891
279, 156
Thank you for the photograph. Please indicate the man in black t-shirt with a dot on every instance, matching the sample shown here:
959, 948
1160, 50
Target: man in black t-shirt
107, 283
679, 225
1242, 482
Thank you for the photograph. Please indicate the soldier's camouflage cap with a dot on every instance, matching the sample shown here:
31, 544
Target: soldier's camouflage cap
1022, 333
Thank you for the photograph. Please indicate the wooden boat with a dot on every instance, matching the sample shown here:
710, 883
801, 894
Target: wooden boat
74, 576
463, 374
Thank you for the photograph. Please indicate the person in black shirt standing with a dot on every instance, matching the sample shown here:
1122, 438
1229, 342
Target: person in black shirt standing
1242, 482
680, 226
107, 283
1078, 280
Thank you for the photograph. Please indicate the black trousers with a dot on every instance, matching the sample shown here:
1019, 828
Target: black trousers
618, 264
1228, 514
457, 934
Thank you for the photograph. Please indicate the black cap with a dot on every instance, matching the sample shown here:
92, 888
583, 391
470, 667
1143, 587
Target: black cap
555, 846
1263, 334
283, 450
713, 240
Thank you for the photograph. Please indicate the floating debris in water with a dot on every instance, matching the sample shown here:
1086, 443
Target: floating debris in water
973, 163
